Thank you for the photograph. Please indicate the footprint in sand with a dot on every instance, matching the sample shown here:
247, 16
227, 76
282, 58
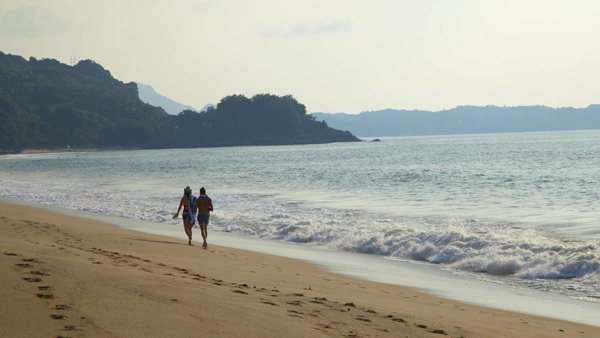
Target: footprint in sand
396, 319
62, 307
44, 296
71, 328
32, 280
181, 270
363, 319
39, 273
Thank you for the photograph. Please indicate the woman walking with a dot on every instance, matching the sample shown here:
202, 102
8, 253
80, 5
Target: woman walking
185, 203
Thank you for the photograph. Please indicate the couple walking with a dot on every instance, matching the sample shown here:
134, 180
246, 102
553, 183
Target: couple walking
192, 205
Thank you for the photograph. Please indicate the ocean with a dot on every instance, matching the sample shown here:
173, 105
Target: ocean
519, 211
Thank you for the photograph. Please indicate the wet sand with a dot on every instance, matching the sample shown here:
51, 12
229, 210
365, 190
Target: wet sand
64, 276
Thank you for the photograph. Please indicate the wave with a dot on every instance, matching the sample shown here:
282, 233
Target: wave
467, 245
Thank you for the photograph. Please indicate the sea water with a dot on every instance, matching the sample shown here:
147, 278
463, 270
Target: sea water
520, 210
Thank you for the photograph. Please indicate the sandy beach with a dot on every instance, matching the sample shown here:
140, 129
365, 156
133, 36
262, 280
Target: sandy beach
64, 276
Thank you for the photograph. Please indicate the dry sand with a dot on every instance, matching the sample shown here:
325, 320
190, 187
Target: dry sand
63, 276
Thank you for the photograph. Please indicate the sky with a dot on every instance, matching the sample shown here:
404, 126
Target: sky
331, 55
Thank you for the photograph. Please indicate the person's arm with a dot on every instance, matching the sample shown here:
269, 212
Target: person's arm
178, 209
210, 207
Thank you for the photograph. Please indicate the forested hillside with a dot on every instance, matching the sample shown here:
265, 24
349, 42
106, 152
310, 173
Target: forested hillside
47, 104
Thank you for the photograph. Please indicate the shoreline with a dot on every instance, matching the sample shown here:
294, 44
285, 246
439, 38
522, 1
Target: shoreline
32, 151
130, 283
426, 278
57, 150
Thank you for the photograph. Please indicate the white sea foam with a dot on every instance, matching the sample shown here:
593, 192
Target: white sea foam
93, 197
464, 245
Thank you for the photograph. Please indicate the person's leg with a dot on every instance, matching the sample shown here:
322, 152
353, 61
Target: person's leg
188, 230
206, 221
204, 234
185, 225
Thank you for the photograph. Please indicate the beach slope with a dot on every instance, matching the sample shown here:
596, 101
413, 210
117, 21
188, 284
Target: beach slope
72, 277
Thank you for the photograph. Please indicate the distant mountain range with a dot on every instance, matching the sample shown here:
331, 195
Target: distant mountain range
150, 96
464, 120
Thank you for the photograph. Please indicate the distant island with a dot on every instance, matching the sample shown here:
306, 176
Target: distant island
464, 120
47, 104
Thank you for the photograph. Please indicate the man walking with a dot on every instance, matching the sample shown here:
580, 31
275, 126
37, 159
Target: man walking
203, 206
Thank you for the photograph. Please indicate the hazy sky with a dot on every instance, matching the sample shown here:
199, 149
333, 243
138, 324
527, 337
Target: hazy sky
333, 56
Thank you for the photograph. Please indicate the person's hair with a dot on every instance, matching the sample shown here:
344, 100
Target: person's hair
202, 190
187, 191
